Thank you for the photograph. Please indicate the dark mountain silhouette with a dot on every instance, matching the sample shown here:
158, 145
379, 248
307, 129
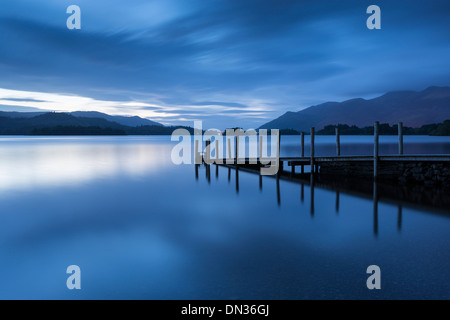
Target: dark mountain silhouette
413, 108
67, 124
126, 121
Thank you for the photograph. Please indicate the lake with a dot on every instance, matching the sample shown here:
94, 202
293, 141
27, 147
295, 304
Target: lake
141, 227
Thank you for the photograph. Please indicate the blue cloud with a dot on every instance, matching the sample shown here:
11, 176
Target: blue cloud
259, 58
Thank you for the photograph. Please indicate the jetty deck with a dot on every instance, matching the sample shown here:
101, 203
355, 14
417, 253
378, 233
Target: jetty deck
427, 169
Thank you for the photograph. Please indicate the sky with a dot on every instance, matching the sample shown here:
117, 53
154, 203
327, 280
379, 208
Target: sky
226, 62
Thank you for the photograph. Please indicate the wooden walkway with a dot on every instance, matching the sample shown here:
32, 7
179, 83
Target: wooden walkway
376, 165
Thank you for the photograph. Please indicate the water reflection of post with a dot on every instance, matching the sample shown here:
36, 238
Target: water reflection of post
338, 195
278, 191
400, 218
196, 159
312, 150
217, 159
312, 194
260, 182
207, 160
375, 209
229, 174
237, 179
302, 193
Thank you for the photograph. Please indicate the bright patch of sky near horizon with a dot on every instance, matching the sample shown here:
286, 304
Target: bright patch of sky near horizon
226, 62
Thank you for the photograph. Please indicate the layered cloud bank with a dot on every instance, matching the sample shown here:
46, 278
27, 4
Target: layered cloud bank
226, 62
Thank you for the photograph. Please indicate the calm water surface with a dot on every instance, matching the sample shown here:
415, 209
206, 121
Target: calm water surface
142, 228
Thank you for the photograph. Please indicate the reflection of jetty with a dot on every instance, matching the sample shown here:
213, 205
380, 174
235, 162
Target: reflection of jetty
431, 198
426, 169
348, 175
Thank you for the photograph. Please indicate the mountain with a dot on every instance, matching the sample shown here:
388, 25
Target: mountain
126, 121
15, 114
412, 108
53, 123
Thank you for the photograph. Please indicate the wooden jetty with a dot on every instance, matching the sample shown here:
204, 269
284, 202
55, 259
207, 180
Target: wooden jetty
427, 169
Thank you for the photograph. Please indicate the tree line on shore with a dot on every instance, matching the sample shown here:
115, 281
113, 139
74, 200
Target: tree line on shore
437, 129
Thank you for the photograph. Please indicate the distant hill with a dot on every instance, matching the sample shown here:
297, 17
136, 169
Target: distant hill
413, 108
53, 123
126, 121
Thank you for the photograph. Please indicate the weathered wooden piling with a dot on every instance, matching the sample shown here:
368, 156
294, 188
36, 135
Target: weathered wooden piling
280, 163
400, 138
217, 158
260, 151
207, 155
236, 151
230, 158
303, 150
338, 142
197, 159
313, 132
217, 151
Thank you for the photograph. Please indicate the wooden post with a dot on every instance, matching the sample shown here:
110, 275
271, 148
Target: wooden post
229, 148
303, 150
376, 148
400, 138
217, 158
338, 142
313, 131
217, 151
207, 151
260, 153
236, 146
196, 155
280, 164
279, 145
303, 144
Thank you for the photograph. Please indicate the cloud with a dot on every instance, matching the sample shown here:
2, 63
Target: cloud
228, 62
